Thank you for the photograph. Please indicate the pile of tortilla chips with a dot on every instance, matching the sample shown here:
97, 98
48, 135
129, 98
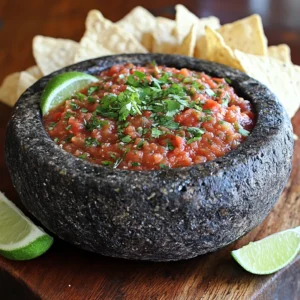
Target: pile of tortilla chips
241, 45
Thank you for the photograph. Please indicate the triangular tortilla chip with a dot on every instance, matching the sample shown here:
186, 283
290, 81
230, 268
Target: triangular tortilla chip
53, 54
281, 52
14, 85
185, 19
218, 51
187, 47
109, 35
201, 48
246, 35
283, 79
163, 39
35, 72
140, 23
25, 81
90, 50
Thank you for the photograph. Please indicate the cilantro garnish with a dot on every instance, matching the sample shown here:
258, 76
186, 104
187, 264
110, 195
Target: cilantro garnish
106, 162
91, 99
80, 96
225, 101
84, 110
168, 122
197, 85
83, 156
156, 133
68, 127
94, 123
92, 89
140, 144
74, 106
52, 125
169, 145
120, 159
91, 142
163, 166
196, 134
210, 92
207, 111
126, 139
135, 164
112, 155
69, 137
228, 80
68, 115
140, 130
56, 140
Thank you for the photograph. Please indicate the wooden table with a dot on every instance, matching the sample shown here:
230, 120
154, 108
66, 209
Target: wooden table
66, 272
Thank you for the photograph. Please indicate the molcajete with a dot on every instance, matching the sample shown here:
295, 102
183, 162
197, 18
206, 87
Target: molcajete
160, 215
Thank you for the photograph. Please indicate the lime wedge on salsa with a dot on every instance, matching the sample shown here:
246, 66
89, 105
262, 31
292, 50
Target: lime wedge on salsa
62, 87
20, 239
271, 253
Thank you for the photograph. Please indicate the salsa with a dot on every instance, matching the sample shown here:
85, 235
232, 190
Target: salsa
151, 117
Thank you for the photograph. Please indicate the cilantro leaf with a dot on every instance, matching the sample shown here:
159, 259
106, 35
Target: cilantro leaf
140, 144
126, 139
94, 123
156, 133
210, 92
168, 122
169, 145
92, 89
196, 134
91, 142
52, 125
228, 80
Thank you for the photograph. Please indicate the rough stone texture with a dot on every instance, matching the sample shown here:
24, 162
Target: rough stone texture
151, 215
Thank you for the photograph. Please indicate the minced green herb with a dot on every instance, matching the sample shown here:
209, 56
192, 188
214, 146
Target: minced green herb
52, 125
91, 142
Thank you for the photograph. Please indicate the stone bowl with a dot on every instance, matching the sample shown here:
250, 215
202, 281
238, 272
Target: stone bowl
151, 215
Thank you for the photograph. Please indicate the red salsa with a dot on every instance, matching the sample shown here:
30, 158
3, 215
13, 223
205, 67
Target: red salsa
152, 117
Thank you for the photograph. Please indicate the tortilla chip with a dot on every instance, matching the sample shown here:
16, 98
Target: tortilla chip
35, 72
90, 50
218, 51
283, 79
163, 39
187, 47
53, 54
246, 35
281, 52
14, 85
140, 23
185, 19
25, 81
104, 33
201, 48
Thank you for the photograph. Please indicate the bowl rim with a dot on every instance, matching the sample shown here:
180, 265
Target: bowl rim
269, 118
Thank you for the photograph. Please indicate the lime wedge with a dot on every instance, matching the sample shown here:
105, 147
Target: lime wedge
20, 239
62, 87
269, 254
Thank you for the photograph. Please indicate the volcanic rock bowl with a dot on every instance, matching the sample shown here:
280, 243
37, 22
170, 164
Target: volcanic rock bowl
151, 215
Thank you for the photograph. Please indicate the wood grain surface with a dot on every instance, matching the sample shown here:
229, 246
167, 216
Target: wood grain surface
66, 272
